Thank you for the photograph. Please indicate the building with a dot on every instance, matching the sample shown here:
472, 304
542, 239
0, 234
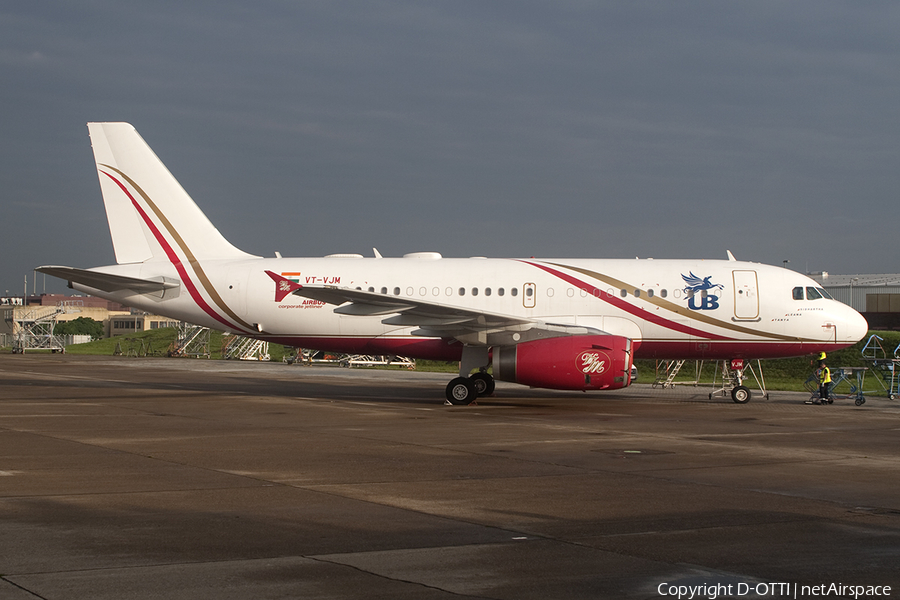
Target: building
131, 323
877, 296
117, 319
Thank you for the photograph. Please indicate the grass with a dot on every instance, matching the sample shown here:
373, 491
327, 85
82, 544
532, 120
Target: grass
788, 374
158, 342
780, 374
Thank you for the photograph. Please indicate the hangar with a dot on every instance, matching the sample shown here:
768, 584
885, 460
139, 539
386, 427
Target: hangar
876, 296
45, 308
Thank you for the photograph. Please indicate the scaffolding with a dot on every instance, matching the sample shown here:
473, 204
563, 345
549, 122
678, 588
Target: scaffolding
667, 370
136, 347
192, 341
884, 366
368, 360
244, 348
34, 330
305, 356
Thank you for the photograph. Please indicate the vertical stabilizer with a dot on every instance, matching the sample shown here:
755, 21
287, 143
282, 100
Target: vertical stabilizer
150, 215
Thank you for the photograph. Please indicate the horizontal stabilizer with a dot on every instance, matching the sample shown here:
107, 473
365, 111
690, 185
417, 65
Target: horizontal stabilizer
107, 282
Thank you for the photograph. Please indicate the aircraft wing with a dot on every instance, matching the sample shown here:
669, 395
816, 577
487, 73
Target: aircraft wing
107, 282
434, 319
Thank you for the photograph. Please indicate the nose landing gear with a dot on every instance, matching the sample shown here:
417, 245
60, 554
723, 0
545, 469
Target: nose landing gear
741, 394
733, 375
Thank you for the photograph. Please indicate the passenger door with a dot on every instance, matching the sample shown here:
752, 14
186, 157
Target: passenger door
746, 297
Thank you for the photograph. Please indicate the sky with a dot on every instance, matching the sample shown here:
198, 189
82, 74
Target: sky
570, 128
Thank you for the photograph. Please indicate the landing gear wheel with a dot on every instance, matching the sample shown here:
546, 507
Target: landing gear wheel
484, 383
860, 401
740, 394
461, 391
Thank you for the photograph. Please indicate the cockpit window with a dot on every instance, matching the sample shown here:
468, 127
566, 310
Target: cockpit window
812, 293
798, 293
824, 293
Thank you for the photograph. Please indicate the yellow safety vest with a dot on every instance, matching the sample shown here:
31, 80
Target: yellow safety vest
824, 375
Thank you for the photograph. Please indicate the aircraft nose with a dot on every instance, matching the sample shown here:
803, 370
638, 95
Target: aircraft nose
856, 327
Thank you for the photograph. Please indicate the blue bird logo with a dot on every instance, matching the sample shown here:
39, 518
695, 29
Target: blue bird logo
697, 284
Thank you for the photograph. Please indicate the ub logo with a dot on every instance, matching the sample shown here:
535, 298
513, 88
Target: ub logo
701, 284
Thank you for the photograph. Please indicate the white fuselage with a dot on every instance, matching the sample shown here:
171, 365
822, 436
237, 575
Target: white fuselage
670, 308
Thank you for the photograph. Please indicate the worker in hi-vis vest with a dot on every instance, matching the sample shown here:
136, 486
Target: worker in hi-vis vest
824, 380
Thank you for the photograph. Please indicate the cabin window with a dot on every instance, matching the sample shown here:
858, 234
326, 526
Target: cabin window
436, 292
514, 291
474, 291
637, 293
384, 290
487, 291
570, 293
663, 292
462, 291
449, 291
371, 289
649, 293
423, 291
798, 293
812, 294
500, 291
549, 292
396, 291
624, 293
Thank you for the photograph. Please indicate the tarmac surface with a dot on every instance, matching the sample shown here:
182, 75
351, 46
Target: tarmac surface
190, 479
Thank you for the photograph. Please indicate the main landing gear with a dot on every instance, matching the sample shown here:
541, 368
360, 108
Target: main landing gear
464, 390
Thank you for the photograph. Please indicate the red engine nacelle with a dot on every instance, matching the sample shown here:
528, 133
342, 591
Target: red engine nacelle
581, 362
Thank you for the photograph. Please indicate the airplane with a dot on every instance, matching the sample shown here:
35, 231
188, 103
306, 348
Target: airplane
568, 324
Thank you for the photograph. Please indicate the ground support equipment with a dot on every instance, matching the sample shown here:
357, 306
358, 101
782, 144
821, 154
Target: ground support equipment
244, 348
886, 367
667, 370
841, 375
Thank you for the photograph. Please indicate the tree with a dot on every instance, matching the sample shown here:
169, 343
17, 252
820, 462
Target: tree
80, 326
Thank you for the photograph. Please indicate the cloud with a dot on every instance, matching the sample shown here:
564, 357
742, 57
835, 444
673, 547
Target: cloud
577, 128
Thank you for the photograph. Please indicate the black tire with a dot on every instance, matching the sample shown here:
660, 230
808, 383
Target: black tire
484, 384
461, 391
860, 401
740, 394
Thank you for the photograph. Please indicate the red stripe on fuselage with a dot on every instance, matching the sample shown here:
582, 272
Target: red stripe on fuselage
629, 308
173, 258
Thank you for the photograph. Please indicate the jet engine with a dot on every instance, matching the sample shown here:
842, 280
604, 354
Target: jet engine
581, 362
